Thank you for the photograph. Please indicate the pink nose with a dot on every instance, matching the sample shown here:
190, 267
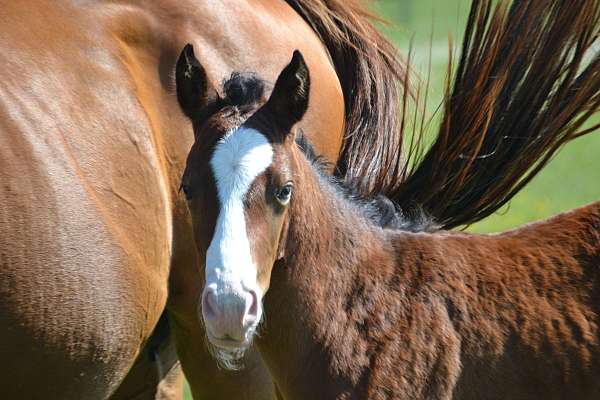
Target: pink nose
228, 316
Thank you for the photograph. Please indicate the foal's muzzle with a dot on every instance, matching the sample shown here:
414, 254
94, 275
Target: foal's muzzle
230, 316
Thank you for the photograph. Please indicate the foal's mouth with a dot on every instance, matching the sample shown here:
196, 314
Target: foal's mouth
227, 342
227, 350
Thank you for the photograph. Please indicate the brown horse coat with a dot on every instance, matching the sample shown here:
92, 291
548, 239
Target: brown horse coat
356, 311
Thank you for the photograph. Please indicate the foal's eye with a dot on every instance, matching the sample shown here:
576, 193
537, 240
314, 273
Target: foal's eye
284, 194
187, 191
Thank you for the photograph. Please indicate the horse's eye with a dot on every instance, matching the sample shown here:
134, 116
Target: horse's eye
187, 191
284, 194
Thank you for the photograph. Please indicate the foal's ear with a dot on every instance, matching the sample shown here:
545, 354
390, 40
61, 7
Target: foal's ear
192, 83
289, 99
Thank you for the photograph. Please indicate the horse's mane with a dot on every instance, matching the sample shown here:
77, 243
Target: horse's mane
527, 79
379, 209
373, 80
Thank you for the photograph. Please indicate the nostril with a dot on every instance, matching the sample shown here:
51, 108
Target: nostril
209, 305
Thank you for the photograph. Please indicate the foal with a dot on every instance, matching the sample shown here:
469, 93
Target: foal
354, 310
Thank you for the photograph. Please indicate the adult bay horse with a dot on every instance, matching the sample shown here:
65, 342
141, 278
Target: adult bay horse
356, 305
94, 239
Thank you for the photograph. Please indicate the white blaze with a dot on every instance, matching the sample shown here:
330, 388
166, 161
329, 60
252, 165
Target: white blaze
239, 158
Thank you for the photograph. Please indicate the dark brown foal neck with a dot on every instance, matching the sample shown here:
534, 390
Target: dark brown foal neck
316, 345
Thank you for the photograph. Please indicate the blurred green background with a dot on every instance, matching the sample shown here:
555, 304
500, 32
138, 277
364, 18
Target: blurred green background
570, 180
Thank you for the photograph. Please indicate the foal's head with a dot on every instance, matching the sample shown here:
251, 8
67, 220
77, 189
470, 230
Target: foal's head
239, 182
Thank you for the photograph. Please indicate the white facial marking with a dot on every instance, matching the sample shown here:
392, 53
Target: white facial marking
239, 158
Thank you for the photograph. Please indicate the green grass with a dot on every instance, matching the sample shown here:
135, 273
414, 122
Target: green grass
187, 393
570, 180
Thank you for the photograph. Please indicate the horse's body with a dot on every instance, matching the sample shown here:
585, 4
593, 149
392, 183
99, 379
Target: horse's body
432, 316
92, 146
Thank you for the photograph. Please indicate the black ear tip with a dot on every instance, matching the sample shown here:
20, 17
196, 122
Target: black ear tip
188, 54
298, 59
188, 50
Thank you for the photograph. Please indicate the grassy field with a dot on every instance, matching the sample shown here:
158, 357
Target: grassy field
572, 178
